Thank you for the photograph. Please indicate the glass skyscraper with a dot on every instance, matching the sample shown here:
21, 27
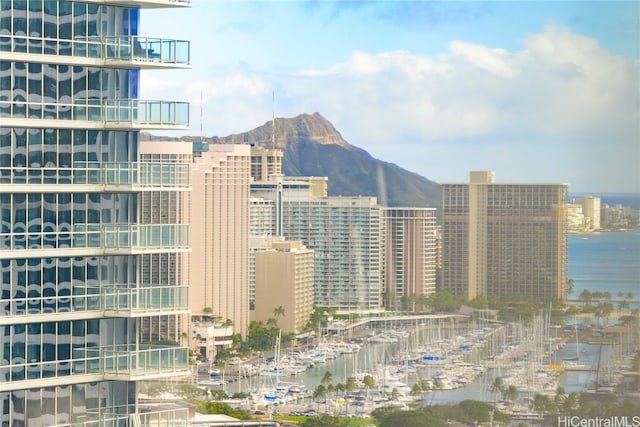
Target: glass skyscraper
72, 239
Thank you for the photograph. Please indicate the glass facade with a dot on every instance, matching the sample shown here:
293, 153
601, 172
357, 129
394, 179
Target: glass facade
72, 240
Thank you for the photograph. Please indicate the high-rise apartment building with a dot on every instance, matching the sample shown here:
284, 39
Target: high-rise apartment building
591, 210
346, 234
72, 238
265, 163
504, 239
410, 255
220, 233
284, 279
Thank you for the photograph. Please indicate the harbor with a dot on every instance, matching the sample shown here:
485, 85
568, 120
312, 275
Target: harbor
434, 360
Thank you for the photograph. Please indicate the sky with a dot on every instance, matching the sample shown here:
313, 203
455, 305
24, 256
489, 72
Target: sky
535, 91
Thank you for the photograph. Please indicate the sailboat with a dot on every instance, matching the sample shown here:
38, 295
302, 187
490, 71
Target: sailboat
577, 356
571, 363
602, 383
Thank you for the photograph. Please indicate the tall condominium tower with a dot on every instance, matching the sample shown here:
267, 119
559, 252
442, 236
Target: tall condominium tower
346, 234
72, 238
265, 163
410, 256
220, 233
504, 239
284, 279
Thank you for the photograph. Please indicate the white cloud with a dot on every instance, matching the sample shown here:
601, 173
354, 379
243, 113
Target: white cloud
560, 86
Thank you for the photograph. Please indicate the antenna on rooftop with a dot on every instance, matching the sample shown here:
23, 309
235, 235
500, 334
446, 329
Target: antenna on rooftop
273, 120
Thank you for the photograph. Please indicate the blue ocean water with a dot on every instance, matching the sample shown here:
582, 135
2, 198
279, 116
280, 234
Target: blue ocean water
607, 261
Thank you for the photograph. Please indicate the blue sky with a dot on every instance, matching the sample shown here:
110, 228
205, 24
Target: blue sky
536, 91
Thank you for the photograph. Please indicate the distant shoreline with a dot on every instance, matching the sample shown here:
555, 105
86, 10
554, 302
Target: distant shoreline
603, 230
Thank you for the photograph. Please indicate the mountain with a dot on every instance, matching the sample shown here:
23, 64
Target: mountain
313, 147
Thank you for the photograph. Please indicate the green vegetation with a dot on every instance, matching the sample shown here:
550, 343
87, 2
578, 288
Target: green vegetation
221, 408
467, 411
585, 405
326, 421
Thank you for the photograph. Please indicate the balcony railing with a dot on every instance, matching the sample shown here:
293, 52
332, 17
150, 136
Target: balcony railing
136, 174
119, 299
123, 360
127, 360
141, 3
132, 50
108, 113
123, 415
101, 236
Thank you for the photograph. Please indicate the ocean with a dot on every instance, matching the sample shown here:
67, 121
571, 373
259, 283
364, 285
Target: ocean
607, 261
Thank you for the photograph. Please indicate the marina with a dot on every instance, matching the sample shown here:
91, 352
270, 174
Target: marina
449, 359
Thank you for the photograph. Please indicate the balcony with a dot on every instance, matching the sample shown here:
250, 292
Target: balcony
156, 416
98, 176
113, 51
95, 302
116, 114
121, 362
128, 362
142, 4
96, 239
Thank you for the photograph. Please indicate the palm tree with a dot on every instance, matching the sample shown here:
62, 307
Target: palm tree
369, 381
278, 311
352, 384
497, 387
586, 297
416, 390
319, 392
511, 393
327, 378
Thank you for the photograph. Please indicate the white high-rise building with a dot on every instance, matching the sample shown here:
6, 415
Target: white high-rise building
72, 237
346, 234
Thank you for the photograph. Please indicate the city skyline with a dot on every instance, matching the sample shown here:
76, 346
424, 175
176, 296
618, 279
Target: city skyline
539, 91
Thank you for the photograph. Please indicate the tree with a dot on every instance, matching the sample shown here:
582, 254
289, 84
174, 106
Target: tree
369, 382
320, 392
511, 393
586, 297
327, 378
436, 384
351, 384
207, 310
416, 390
497, 387
277, 312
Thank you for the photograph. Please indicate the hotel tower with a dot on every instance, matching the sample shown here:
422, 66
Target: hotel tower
76, 253
504, 239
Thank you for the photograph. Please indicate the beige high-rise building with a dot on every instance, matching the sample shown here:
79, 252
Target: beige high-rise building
504, 239
410, 255
284, 279
220, 233
591, 210
265, 163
